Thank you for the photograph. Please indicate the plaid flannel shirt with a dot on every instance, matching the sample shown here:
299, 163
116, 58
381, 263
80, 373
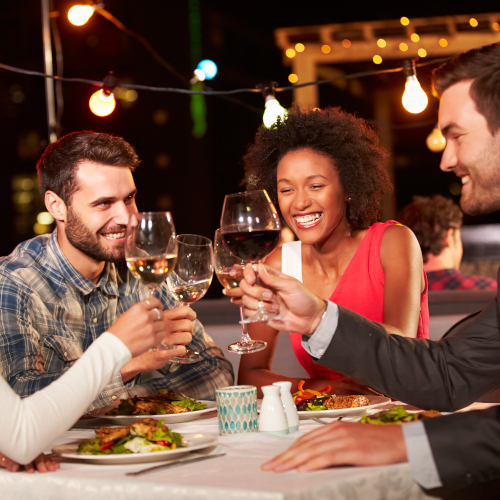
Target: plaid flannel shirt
50, 314
453, 279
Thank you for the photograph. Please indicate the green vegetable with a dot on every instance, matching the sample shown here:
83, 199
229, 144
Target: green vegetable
93, 446
190, 403
396, 415
318, 407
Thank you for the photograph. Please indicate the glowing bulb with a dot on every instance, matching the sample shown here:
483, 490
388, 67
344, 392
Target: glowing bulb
404, 21
403, 47
102, 104
435, 141
300, 47
414, 98
473, 22
422, 53
45, 218
80, 14
208, 67
293, 78
377, 59
414, 37
381, 43
273, 110
326, 49
443, 42
290, 53
200, 75
496, 26
346, 43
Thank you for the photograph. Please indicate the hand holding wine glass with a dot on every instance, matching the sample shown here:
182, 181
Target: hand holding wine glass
229, 271
191, 276
251, 230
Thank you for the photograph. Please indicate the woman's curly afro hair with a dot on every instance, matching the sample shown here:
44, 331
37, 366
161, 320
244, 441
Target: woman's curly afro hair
352, 147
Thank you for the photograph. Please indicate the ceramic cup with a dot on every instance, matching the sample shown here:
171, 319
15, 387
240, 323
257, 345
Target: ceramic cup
237, 409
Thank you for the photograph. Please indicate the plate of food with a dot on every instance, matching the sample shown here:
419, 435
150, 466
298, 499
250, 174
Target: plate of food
398, 415
311, 403
169, 407
147, 440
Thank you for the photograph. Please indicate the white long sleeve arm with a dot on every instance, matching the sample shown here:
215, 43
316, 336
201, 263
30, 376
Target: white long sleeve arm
28, 426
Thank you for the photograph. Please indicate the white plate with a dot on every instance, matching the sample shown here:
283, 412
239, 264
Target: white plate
192, 441
374, 401
172, 418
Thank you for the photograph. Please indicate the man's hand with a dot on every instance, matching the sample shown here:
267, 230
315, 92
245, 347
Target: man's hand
302, 310
141, 327
343, 443
41, 464
178, 331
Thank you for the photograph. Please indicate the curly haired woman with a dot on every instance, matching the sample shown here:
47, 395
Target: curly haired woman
325, 171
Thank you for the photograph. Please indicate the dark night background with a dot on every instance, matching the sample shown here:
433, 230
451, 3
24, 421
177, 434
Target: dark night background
180, 173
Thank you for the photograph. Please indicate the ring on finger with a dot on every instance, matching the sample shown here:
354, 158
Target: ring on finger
157, 312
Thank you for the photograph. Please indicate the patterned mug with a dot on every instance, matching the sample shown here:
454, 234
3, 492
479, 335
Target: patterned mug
237, 409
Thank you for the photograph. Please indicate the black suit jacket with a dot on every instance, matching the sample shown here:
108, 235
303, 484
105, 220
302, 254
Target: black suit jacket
445, 376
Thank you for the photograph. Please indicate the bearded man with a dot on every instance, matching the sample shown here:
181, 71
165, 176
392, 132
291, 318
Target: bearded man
59, 292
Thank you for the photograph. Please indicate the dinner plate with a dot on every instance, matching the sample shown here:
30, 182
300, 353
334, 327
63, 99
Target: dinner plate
172, 418
191, 441
374, 402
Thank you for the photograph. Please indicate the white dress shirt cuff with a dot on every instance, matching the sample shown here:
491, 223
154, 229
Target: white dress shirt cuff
422, 464
317, 343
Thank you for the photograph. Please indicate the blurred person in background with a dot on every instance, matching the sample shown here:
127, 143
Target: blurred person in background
436, 222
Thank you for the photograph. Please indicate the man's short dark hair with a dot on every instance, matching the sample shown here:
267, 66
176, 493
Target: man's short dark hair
352, 147
430, 218
481, 65
59, 162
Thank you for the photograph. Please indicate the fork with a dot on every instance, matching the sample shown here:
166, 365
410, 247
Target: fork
316, 419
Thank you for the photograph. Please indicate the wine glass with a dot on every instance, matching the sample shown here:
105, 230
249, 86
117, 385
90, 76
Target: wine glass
191, 277
251, 230
229, 271
151, 248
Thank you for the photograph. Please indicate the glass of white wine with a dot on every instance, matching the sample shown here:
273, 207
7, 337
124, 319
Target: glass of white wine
191, 277
151, 248
229, 271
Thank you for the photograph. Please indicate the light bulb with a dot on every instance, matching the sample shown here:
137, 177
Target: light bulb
414, 98
80, 14
435, 140
273, 110
208, 67
102, 104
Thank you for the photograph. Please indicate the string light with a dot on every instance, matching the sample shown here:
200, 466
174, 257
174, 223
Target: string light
414, 37
102, 103
208, 67
473, 22
377, 59
414, 98
422, 53
273, 108
381, 43
78, 15
300, 47
435, 140
326, 49
404, 21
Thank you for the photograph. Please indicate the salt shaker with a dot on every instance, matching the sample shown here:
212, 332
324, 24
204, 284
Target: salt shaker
272, 418
289, 405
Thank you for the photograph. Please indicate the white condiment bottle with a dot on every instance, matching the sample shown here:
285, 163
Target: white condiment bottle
272, 418
289, 405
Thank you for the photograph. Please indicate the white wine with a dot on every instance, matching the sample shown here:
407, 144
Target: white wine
153, 268
228, 281
187, 294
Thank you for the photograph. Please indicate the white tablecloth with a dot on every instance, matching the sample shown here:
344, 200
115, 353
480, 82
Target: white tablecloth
237, 475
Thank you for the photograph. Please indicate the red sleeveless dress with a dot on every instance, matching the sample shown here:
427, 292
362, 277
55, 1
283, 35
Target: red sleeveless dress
361, 289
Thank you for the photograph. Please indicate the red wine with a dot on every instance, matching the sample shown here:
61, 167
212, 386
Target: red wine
251, 245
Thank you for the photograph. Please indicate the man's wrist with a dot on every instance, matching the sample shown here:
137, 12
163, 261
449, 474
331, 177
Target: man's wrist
319, 318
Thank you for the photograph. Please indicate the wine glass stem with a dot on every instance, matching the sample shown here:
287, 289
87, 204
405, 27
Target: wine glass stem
245, 338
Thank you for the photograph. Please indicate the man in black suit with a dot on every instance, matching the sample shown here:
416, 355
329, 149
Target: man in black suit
452, 452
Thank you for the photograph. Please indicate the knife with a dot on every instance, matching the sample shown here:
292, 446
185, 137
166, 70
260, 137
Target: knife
180, 461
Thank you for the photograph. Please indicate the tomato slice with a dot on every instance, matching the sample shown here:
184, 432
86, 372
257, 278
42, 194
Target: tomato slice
107, 445
162, 442
302, 397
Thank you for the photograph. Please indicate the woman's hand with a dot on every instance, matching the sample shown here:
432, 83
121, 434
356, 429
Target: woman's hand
41, 463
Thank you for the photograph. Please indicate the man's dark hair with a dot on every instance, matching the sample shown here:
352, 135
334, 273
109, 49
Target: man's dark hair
351, 146
59, 162
481, 65
430, 218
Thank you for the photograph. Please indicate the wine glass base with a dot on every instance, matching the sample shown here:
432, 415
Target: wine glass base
247, 347
187, 359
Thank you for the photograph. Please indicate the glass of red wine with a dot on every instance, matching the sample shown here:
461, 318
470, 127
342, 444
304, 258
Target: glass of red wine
250, 227
229, 271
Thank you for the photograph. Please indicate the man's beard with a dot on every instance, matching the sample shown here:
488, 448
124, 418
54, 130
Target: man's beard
88, 243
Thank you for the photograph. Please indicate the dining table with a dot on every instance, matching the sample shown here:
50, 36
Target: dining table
236, 474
